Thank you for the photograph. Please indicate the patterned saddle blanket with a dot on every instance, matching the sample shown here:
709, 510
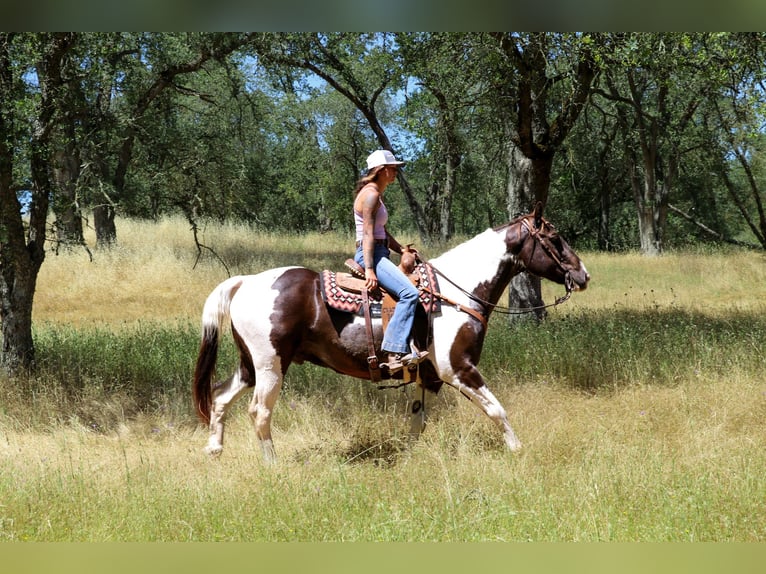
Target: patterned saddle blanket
343, 291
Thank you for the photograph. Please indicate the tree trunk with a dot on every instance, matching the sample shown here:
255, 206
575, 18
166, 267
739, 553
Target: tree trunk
17, 288
103, 221
651, 243
66, 171
528, 183
17, 275
651, 199
606, 187
446, 225
534, 135
21, 256
604, 224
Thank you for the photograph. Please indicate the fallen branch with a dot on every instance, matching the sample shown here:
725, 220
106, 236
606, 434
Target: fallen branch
712, 232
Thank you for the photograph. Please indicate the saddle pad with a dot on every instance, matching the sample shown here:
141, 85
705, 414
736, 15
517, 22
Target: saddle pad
428, 282
351, 302
337, 297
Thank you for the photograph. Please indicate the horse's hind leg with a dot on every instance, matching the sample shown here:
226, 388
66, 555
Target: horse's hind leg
223, 396
269, 383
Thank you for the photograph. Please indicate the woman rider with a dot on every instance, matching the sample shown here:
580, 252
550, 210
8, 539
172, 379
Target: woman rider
373, 247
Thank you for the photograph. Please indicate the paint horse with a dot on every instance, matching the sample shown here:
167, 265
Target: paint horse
279, 317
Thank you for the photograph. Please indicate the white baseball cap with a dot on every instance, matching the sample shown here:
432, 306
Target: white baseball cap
381, 157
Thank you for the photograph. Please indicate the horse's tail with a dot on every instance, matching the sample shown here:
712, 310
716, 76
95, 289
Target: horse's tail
214, 313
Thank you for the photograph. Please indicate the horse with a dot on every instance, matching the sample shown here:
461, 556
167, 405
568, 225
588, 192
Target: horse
278, 317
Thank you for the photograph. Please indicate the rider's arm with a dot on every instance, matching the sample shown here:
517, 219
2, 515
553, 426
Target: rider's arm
393, 244
370, 205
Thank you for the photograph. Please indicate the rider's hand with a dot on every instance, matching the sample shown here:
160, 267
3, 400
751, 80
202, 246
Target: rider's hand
371, 279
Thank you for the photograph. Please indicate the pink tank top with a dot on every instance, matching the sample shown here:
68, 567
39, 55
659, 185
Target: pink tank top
381, 219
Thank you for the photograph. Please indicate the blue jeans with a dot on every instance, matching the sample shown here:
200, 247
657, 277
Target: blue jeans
398, 285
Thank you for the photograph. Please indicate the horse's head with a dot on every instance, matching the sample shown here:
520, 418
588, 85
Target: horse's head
545, 253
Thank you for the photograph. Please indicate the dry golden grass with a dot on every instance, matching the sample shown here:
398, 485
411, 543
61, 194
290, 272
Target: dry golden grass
683, 464
705, 282
155, 273
679, 460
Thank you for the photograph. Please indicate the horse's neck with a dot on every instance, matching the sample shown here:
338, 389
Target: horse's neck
481, 261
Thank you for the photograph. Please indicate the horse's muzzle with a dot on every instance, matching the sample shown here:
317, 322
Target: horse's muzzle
576, 280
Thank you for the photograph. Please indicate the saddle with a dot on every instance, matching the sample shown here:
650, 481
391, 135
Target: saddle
344, 290
347, 292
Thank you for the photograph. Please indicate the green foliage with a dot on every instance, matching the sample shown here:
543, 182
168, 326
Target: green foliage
141, 368
275, 132
612, 350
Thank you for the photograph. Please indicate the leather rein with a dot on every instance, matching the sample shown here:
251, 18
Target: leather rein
489, 307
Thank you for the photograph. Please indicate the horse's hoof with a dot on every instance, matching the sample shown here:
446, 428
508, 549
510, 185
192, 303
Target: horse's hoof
213, 451
513, 444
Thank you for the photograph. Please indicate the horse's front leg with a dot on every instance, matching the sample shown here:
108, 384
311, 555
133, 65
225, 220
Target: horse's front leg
471, 384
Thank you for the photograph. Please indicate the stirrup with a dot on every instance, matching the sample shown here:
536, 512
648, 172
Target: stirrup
402, 361
416, 357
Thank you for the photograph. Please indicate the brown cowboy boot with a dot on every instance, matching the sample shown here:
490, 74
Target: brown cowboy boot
397, 361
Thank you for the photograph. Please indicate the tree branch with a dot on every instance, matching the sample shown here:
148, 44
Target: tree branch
712, 232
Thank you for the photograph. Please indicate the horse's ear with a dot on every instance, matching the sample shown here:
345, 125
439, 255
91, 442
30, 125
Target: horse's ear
538, 214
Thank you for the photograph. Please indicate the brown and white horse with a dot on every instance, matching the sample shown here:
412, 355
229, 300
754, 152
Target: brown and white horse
279, 317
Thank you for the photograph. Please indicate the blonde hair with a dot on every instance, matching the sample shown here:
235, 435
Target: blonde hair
369, 177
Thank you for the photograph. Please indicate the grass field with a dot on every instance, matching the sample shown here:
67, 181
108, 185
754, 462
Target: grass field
641, 404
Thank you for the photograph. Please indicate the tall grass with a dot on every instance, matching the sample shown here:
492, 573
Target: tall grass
641, 403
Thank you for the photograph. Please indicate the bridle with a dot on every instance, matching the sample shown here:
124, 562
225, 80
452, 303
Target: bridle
534, 232
489, 307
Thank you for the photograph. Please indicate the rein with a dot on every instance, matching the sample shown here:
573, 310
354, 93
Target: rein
492, 306
506, 310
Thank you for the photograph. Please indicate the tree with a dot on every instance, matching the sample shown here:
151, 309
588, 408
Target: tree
22, 248
540, 83
439, 114
361, 67
110, 83
587, 188
655, 79
739, 115
54, 82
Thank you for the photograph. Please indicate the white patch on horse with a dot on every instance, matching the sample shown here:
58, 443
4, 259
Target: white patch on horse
252, 321
479, 259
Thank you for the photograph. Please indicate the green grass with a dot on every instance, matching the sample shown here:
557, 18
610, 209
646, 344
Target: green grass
641, 404
609, 350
